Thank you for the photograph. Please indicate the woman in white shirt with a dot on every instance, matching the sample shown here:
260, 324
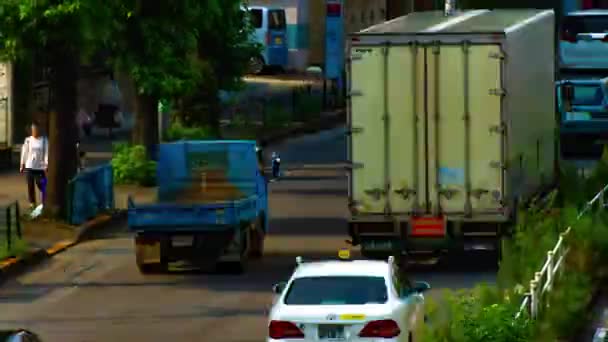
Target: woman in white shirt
34, 162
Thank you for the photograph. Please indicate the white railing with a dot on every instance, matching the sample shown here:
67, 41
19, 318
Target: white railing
552, 268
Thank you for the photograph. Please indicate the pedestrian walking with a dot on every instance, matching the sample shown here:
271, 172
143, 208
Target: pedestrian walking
276, 166
34, 163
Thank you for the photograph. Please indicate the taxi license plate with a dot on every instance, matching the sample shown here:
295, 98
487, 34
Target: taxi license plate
332, 332
381, 245
182, 241
278, 40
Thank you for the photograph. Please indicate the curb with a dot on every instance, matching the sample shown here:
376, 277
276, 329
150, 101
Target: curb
311, 127
14, 266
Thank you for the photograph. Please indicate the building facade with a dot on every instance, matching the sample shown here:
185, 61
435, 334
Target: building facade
306, 23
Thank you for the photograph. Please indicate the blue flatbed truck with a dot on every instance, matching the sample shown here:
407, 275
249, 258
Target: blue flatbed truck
211, 209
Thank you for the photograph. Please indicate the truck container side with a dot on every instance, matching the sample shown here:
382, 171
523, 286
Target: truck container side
448, 128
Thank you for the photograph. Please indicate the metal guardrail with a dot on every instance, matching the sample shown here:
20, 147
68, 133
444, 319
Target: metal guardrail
553, 266
90, 192
10, 224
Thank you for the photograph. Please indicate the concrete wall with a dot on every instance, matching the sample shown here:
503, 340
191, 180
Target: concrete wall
358, 14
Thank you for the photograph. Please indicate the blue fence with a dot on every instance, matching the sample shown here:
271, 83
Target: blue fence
90, 193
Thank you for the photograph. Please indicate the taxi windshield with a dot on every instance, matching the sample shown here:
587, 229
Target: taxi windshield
588, 95
345, 290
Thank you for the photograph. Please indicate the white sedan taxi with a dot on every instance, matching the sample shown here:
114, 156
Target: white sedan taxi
345, 300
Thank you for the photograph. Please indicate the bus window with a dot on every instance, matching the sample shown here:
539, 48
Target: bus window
256, 18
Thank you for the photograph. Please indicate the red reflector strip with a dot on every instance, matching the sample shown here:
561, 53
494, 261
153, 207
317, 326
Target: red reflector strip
428, 227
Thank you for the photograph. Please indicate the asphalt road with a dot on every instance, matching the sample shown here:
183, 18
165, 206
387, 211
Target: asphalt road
93, 292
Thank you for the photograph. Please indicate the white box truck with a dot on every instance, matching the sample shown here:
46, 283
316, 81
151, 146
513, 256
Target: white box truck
451, 124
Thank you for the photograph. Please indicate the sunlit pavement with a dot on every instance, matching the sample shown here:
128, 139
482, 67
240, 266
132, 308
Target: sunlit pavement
94, 292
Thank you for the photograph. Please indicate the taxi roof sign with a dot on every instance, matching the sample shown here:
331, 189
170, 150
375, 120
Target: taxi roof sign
344, 253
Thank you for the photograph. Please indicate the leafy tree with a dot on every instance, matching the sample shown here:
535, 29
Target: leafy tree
156, 44
64, 30
224, 54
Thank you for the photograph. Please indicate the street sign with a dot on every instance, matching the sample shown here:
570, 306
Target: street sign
334, 39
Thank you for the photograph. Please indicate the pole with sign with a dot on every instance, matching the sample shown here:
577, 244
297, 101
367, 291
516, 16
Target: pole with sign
334, 42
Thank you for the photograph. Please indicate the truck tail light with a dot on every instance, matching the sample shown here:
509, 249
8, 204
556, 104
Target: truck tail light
267, 38
283, 330
605, 39
386, 328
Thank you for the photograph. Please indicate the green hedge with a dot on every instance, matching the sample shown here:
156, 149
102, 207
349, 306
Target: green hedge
177, 131
486, 313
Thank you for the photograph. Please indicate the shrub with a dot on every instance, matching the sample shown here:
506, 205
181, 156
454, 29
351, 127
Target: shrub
131, 165
481, 314
276, 116
177, 131
308, 106
487, 313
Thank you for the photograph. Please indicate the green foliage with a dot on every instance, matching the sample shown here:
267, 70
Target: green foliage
53, 26
156, 48
177, 131
486, 313
568, 313
276, 116
18, 247
132, 166
224, 55
308, 106
536, 231
481, 314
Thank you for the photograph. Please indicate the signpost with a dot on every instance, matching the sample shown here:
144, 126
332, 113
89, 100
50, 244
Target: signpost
334, 44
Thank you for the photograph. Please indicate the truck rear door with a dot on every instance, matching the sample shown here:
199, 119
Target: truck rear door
387, 175
465, 131
427, 137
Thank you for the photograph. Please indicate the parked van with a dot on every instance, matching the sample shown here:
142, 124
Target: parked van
270, 30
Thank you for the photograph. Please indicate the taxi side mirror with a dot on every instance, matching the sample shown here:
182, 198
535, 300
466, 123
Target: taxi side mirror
567, 96
278, 287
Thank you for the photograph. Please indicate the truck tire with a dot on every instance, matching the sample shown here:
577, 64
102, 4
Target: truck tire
240, 266
150, 268
257, 237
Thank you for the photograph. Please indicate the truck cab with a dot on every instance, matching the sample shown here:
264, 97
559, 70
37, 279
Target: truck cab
583, 116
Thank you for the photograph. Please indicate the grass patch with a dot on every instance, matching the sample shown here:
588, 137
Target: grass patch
18, 248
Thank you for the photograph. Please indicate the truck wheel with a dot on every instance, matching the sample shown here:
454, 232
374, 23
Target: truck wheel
257, 237
150, 268
238, 267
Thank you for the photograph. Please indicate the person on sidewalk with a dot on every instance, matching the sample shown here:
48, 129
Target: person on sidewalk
34, 162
